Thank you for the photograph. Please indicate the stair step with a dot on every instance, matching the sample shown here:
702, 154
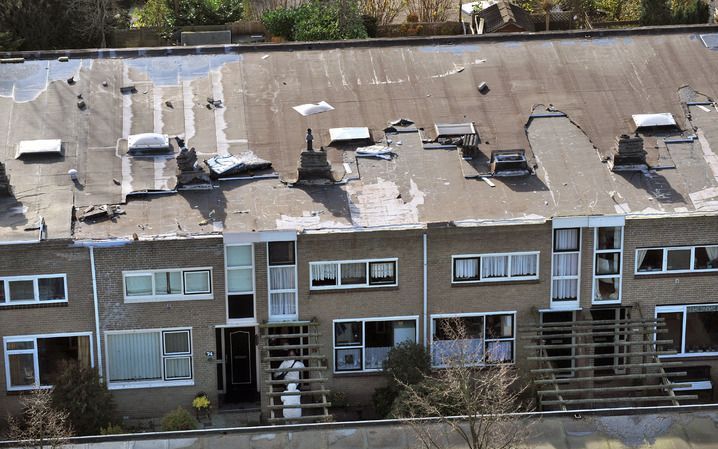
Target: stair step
303, 381
297, 335
288, 347
305, 369
302, 357
302, 406
321, 418
298, 393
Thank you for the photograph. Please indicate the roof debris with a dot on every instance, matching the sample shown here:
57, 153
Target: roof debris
96, 213
225, 166
378, 151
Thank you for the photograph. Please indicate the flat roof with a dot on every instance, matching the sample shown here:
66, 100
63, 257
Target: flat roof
564, 101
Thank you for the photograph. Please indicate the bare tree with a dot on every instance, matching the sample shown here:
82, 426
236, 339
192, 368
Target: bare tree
92, 19
41, 426
384, 10
546, 6
483, 397
431, 10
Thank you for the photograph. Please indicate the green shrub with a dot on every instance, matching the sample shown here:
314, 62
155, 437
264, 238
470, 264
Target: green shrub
178, 419
89, 403
280, 22
317, 20
406, 363
112, 429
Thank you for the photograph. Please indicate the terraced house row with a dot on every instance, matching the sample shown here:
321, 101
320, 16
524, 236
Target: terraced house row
182, 230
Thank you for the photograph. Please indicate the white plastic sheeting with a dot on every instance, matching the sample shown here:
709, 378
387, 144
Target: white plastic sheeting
44, 146
344, 134
313, 108
659, 119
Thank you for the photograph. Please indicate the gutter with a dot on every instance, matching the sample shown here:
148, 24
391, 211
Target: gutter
97, 312
426, 337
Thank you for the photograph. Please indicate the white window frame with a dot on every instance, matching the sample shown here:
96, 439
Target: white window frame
362, 346
618, 276
684, 310
249, 320
295, 290
34, 352
154, 297
36, 290
368, 283
434, 317
508, 278
664, 267
557, 304
153, 383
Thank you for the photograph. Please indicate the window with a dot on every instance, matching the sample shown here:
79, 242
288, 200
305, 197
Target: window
282, 272
565, 269
33, 289
476, 339
353, 274
36, 361
240, 281
684, 259
692, 328
495, 267
608, 256
168, 285
150, 358
363, 345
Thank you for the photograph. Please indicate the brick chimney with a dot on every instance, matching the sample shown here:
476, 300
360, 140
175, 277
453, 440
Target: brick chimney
629, 154
313, 165
5, 189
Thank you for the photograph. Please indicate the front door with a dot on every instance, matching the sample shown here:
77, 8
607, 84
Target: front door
241, 367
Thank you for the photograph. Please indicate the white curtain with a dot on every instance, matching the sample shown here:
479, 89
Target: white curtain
281, 278
467, 351
178, 367
524, 265
566, 239
712, 252
499, 351
466, 268
565, 264
494, 266
134, 357
323, 272
282, 304
640, 256
565, 289
354, 271
139, 285
382, 270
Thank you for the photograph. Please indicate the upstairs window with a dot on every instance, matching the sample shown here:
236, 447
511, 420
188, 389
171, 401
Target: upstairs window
353, 274
33, 289
565, 270
684, 259
168, 285
495, 267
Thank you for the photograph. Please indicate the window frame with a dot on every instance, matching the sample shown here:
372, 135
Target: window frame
154, 297
35, 278
596, 277
566, 304
362, 345
664, 261
174, 382
683, 308
228, 292
483, 363
34, 351
508, 278
367, 266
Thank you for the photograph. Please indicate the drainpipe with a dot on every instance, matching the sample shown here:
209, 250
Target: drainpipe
426, 336
97, 312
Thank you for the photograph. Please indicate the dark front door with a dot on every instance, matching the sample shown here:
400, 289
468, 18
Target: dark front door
241, 364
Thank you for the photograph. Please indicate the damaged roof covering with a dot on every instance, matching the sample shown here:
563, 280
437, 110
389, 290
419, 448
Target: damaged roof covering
591, 89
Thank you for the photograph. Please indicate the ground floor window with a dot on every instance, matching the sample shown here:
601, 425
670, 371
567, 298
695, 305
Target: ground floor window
473, 338
36, 361
363, 345
149, 358
693, 328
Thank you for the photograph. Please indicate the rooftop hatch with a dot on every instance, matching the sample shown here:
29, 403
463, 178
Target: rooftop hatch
44, 146
139, 144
